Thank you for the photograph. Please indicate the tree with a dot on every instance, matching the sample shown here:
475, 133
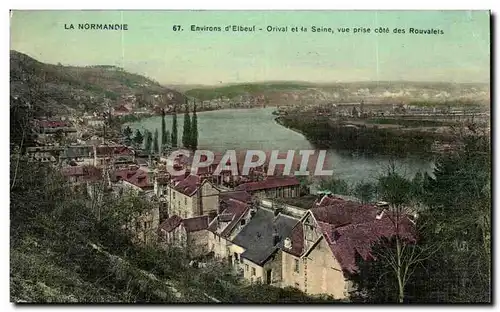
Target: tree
156, 147
138, 138
365, 191
174, 128
127, 132
401, 255
186, 131
459, 201
164, 134
59, 136
167, 139
149, 141
336, 186
194, 130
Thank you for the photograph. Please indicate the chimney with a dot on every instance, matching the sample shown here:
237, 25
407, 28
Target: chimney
288, 243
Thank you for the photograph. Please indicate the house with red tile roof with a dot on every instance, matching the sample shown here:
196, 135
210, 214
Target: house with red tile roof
324, 244
191, 196
190, 233
81, 174
272, 187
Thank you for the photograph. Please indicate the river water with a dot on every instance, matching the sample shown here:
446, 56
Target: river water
256, 128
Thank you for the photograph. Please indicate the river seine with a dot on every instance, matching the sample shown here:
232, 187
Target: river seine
255, 128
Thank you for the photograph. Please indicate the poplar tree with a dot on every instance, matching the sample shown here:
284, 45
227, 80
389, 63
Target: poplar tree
164, 136
156, 142
186, 131
149, 141
194, 130
174, 128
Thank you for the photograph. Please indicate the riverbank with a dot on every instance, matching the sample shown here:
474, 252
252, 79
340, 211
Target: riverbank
371, 141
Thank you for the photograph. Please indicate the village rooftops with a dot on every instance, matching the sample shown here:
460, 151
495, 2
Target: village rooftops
268, 183
189, 185
136, 176
263, 235
350, 228
242, 196
233, 211
190, 224
86, 173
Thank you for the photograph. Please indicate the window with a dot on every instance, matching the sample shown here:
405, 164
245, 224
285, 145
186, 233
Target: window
174, 194
297, 266
246, 267
185, 201
253, 271
242, 222
236, 257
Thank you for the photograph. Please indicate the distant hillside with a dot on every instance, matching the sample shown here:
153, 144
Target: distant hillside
59, 89
282, 93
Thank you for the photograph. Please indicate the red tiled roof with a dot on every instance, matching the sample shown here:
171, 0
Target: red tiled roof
123, 174
359, 238
78, 171
195, 224
356, 228
268, 183
342, 212
139, 179
190, 225
297, 238
237, 209
326, 200
53, 124
242, 196
189, 185
171, 223
119, 150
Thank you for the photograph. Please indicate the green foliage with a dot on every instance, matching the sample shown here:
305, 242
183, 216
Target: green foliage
156, 145
138, 137
149, 141
164, 134
453, 231
336, 186
127, 132
174, 130
194, 130
365, 191
186, 131
323, 134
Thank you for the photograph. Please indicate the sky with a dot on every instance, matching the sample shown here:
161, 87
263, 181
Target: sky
151, 47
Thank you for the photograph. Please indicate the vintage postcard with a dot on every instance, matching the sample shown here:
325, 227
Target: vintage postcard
250, 156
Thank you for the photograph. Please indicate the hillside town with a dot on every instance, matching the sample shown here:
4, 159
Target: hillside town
241, 220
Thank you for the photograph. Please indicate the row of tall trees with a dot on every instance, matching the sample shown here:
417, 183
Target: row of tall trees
168, 139
190, 130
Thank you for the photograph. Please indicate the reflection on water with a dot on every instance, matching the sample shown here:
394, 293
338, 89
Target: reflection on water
242, 129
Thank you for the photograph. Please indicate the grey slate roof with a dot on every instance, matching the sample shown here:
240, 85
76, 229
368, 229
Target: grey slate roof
78, 151
257, 236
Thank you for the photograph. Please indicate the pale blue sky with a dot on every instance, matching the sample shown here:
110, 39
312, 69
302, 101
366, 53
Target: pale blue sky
150, 46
